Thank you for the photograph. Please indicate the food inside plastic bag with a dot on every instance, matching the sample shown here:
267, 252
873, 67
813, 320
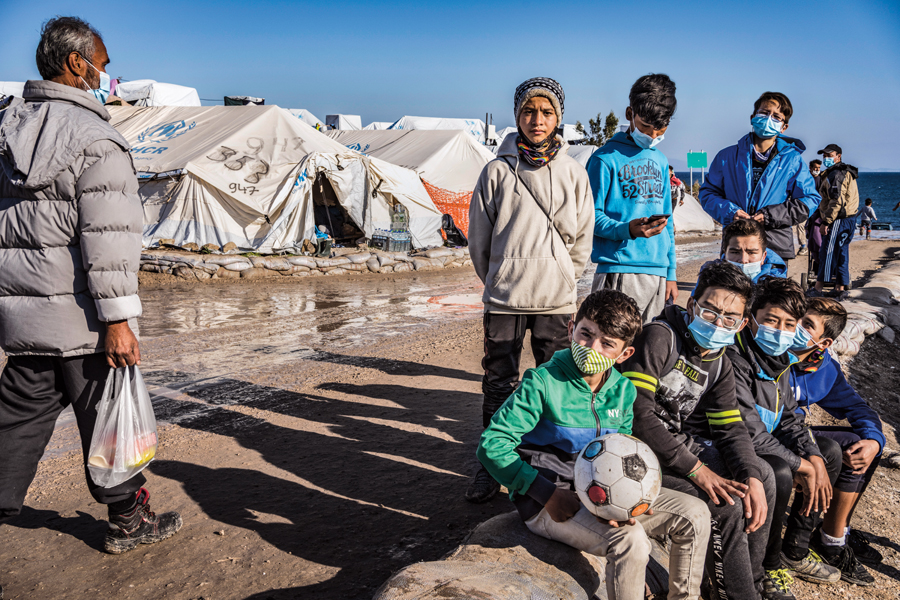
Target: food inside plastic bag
124, 440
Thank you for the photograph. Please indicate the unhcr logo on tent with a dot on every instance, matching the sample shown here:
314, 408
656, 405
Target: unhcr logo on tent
359, 148
156, 134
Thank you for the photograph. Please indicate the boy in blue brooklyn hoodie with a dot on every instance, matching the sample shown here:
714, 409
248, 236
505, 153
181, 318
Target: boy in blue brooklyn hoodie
763, 177
634, 234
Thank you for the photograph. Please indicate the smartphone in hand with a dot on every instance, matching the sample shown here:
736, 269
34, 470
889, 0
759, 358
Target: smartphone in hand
656, 218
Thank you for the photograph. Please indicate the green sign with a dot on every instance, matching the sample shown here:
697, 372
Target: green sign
696, 160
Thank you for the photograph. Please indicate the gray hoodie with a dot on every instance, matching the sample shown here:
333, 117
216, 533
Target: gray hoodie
70, 224
528, 264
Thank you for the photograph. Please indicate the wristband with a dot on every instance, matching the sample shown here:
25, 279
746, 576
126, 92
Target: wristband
694, 472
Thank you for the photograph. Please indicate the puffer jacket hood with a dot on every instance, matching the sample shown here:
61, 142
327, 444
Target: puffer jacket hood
41, 139
70, 224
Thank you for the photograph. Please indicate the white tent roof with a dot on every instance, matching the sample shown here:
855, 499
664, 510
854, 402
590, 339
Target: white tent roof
451, 160
248, 175
690, 216
344, 122
147, 92
12, 88
307, 117
475, 127
581, 153
378, 125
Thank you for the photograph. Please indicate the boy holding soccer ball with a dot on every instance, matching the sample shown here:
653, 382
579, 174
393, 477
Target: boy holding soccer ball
531, 444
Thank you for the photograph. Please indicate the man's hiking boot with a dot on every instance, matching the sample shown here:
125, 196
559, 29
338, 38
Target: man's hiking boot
843, 559
862, 549
139, 526
482, 488
776, 585
812, 568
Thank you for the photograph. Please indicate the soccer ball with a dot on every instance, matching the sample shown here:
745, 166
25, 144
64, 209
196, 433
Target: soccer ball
617, 477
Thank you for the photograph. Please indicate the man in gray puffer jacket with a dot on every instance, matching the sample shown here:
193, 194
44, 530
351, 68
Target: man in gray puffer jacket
70, 242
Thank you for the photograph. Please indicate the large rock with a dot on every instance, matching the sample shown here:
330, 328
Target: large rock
502, 560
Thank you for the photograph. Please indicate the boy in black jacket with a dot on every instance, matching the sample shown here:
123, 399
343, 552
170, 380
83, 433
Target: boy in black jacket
762, 362
686, 411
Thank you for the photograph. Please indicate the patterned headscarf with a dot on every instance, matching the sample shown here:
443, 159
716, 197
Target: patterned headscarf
538, 155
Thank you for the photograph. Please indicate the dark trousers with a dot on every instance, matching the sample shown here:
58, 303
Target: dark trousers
799, 527
847, 481
733, 558
834, 256
33, 391
503, 339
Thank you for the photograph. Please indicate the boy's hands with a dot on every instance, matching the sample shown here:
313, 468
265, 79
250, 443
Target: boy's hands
755, 505
617, 524
718, 487
644, 227
672, 291
813, 478
860, 455
563, 505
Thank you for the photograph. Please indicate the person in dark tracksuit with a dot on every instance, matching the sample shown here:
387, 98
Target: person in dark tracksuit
838, 212
762, 361
685, 410
818, 379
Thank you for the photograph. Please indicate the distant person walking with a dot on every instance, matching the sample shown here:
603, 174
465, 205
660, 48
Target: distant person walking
70, 244
838, 212
530, 222
677, 189
763, 177
812, 226
866, 217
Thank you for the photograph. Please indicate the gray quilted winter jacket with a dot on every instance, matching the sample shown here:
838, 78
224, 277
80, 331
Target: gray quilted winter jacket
70, 224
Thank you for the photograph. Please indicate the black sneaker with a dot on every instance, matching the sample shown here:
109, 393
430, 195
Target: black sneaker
140, 526
482, 488
862, 549
851, 569
776, 585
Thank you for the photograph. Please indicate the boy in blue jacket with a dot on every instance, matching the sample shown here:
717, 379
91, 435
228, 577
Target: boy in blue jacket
744, 246
634, 236
817, 379
763, 177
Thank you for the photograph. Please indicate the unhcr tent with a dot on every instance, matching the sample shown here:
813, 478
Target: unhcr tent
258, 176
344, 122
146, 92
474, 127
690, 217
449, 162
378, 126
308, 118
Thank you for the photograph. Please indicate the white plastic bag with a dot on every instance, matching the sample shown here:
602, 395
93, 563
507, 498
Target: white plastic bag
124, 440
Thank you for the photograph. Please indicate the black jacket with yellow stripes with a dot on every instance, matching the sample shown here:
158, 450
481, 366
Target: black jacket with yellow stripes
682, 395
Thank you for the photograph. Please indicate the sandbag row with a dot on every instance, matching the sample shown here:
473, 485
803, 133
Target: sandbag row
872, 308
192, 266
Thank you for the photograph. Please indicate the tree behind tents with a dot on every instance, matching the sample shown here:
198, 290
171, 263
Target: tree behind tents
600, 130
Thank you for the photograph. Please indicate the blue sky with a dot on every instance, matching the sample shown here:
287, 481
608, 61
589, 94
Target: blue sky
838, 62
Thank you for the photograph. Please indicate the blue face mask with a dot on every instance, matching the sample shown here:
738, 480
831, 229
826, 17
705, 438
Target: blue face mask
827, 162
101, 93
801, 341
765, 126
751, 269
643, 140
773, 342
709, 335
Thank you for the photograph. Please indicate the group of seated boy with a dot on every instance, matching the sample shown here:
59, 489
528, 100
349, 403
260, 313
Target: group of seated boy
720, 391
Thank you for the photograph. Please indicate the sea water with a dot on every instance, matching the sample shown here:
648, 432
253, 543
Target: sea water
882, 188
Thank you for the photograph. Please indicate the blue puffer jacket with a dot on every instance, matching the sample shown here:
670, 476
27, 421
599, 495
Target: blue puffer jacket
786, 193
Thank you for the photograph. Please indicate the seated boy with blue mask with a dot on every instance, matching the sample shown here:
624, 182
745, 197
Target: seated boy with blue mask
761, 360
818, 379
532, 441
744, 246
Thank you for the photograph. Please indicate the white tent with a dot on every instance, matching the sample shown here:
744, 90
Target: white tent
582, 153
12, 88
474, 127
242, 174
344, 122
308, 118
690, 217
146, 92
449, 162
378, 126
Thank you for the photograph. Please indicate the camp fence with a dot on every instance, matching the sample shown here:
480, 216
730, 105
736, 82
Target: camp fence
251, 174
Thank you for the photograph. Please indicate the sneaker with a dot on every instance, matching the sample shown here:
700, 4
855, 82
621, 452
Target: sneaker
801, 251
862, 549
849, 566
482, 488
140, 526
776, 585
814, 293
812, 568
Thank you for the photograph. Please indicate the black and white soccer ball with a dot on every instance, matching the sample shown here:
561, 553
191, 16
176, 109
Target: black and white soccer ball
617, 477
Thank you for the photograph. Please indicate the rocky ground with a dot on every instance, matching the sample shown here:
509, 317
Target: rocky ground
307, 466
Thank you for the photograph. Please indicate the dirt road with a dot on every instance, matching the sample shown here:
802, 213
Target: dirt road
316, 437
